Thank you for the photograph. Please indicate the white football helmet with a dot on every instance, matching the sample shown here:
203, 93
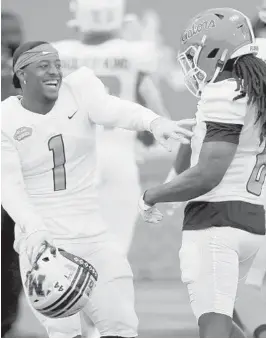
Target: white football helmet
60, 283
97, 15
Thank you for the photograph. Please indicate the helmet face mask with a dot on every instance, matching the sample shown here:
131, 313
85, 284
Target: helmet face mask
194, 77
59, 285
209, 41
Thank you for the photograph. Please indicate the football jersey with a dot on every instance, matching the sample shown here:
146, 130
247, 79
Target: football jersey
237, 201
119, 64
48, 161
245, 177
261, 42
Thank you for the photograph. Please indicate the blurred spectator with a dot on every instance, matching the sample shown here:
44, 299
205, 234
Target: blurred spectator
132, 28
148, 28
259, 28
11, 38
169, 69
11, 31
259, 24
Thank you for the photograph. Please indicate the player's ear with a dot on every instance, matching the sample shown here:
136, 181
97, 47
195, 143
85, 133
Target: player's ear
21, 74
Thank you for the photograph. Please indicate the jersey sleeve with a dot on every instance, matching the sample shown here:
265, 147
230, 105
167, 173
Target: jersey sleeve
124, 114
261, 42
105, 109
14, 197
223, 114
219, 104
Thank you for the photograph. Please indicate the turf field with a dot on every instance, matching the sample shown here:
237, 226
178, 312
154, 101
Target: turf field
162, 307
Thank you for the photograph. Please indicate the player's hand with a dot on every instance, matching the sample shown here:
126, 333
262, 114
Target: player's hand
164, 129
35, 242
149, 213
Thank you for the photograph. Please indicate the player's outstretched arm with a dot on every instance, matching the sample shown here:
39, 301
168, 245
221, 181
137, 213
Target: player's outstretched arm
111, 111
214, 160
116, 112
224, 118
16, 201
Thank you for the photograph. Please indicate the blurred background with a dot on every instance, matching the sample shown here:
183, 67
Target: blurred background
46, 20
161, 300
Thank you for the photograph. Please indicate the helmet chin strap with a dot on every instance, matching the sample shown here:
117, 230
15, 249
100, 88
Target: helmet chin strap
200, 48
220, 65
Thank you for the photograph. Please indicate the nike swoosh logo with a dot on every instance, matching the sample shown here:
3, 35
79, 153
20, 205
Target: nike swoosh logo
71, 116
46, 53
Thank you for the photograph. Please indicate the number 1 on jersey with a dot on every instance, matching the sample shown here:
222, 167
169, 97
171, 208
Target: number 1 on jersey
258, 175
56, 145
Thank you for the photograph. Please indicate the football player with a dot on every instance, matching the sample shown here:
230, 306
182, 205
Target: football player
49, 175
224, 221
124, 66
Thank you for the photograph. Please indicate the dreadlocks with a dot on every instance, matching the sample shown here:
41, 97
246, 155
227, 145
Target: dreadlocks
250, 75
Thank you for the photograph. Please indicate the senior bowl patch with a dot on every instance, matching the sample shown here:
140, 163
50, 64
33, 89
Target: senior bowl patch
22, 133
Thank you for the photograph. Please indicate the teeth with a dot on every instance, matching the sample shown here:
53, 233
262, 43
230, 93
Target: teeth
54, 83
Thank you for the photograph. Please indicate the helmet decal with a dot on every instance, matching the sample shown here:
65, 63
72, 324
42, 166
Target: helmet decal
59, 283
195, 29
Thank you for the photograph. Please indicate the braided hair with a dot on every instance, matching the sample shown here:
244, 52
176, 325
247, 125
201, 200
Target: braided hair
250, 75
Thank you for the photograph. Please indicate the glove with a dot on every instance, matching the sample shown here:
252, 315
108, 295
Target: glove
35, 242
149, 213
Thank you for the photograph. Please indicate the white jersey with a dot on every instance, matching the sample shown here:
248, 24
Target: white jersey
261, 42
120, 65
48, 161
245, 177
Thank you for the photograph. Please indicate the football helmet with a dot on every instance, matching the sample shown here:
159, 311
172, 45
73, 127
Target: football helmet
210, 39
97, 15
59, 283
